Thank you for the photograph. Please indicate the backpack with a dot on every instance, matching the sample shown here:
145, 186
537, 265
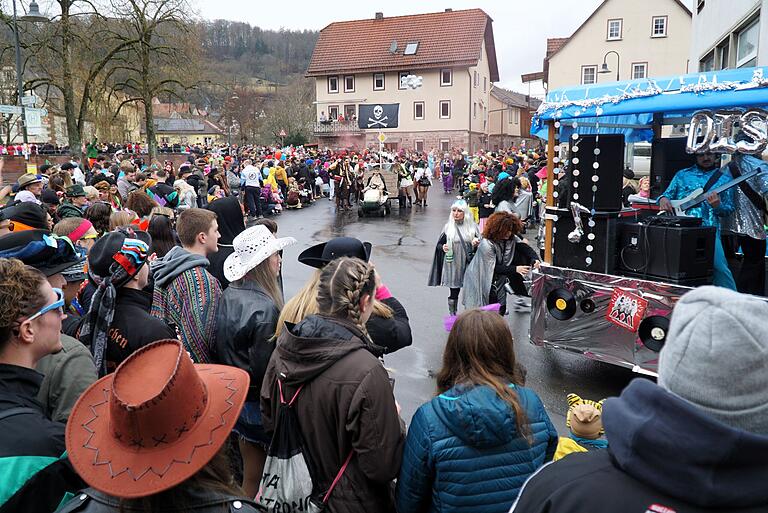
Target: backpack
287, 484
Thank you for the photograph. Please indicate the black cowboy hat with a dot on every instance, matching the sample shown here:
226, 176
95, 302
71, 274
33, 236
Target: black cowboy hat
321, 254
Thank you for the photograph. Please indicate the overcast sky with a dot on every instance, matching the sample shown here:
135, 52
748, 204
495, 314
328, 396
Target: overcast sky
520, 27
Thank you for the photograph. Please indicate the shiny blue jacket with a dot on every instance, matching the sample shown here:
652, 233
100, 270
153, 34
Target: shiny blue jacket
464, 453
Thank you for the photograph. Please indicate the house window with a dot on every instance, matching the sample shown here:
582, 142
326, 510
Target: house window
420, 145
588, 75
400, 78
708, 62
699, 6
476, 81
333, 112
614, 29
349, 84
446, 77
333, 84
474, 110
378, 81
411, 48
639, 70
349, 111
659, 26
516, 116
445, 145
485, 84
445, 109
746, 45
723, 54
510, 114
418, 110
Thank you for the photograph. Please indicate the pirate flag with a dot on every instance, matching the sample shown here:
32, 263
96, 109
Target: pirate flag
378, 116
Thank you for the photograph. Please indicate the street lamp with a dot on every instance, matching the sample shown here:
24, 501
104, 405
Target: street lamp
33, 16
605, 69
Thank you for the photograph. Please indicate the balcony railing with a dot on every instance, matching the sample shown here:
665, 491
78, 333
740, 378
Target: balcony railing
332, 128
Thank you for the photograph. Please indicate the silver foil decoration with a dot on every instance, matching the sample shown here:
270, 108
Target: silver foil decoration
589, 333
575, 236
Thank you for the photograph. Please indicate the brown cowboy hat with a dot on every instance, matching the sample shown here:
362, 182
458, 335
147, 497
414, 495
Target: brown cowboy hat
155, 422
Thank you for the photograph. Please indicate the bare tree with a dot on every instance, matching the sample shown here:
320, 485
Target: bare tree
158, 58
291, 111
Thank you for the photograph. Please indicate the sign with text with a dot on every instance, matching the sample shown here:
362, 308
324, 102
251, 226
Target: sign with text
728, 131
379, 115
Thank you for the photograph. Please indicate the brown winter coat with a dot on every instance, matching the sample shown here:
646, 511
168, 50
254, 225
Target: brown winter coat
346, 405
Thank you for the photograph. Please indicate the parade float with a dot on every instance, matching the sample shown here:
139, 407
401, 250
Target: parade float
615, 272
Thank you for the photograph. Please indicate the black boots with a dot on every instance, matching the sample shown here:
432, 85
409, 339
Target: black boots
452, 305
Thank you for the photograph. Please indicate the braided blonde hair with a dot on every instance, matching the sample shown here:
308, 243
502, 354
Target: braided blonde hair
343, 282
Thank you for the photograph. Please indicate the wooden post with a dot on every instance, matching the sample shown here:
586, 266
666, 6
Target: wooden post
550, 189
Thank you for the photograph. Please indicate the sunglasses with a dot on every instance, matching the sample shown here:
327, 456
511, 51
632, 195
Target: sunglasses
56, 305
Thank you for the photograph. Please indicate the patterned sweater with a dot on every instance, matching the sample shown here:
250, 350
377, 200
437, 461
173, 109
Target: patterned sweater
191, 302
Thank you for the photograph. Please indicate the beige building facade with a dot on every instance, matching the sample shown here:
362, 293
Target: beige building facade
509, 119
449, 110
729, 34
635, 39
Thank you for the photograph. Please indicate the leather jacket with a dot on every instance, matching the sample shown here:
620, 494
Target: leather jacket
247, 319
199, 501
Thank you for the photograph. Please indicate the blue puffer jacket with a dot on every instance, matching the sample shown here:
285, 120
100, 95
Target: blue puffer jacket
463, 452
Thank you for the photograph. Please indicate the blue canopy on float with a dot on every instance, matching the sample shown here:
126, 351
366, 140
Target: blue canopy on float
628, 107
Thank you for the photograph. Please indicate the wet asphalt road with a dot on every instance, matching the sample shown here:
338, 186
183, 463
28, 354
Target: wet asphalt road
403, 245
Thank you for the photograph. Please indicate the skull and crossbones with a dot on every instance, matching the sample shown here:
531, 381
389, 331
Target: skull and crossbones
378, 110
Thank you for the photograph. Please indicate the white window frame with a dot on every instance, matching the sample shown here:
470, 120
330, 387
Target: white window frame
510, 114
516, 113
383, 77
440, 109
741, 62
665, 19
332, 117
594, 72
637, 65
485, 84
346, 89
445, 145
423, 112
476, 80
443, 83
411, 45
354, 111
400, 79
608, 36
333, 91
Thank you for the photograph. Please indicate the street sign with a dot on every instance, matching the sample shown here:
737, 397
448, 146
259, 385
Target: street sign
382, 138
28, 101
15, 109
282, 133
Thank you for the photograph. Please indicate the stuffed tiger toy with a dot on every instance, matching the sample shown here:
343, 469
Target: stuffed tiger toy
575, 400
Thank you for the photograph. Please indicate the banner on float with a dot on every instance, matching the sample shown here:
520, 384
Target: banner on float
378, 115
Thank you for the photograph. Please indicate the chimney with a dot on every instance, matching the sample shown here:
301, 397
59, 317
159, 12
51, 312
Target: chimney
379, 15
449, 10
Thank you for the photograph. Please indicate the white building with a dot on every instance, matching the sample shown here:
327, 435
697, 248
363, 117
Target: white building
729, 34
635, 39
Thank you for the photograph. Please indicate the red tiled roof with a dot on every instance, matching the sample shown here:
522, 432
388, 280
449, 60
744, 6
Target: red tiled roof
554, 44
452, 38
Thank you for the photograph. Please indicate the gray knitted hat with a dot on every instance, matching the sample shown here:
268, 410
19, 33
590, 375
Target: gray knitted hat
716, 356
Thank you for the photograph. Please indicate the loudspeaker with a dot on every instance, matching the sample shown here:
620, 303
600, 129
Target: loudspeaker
610, 159
574, 255
668, 156
681, 255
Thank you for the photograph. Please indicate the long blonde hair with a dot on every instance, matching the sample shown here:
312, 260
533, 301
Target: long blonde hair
304, 304
263, 276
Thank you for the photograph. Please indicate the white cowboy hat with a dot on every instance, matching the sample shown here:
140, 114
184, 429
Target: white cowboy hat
252, 247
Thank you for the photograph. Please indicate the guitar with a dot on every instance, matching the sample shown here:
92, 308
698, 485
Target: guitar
699, 196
